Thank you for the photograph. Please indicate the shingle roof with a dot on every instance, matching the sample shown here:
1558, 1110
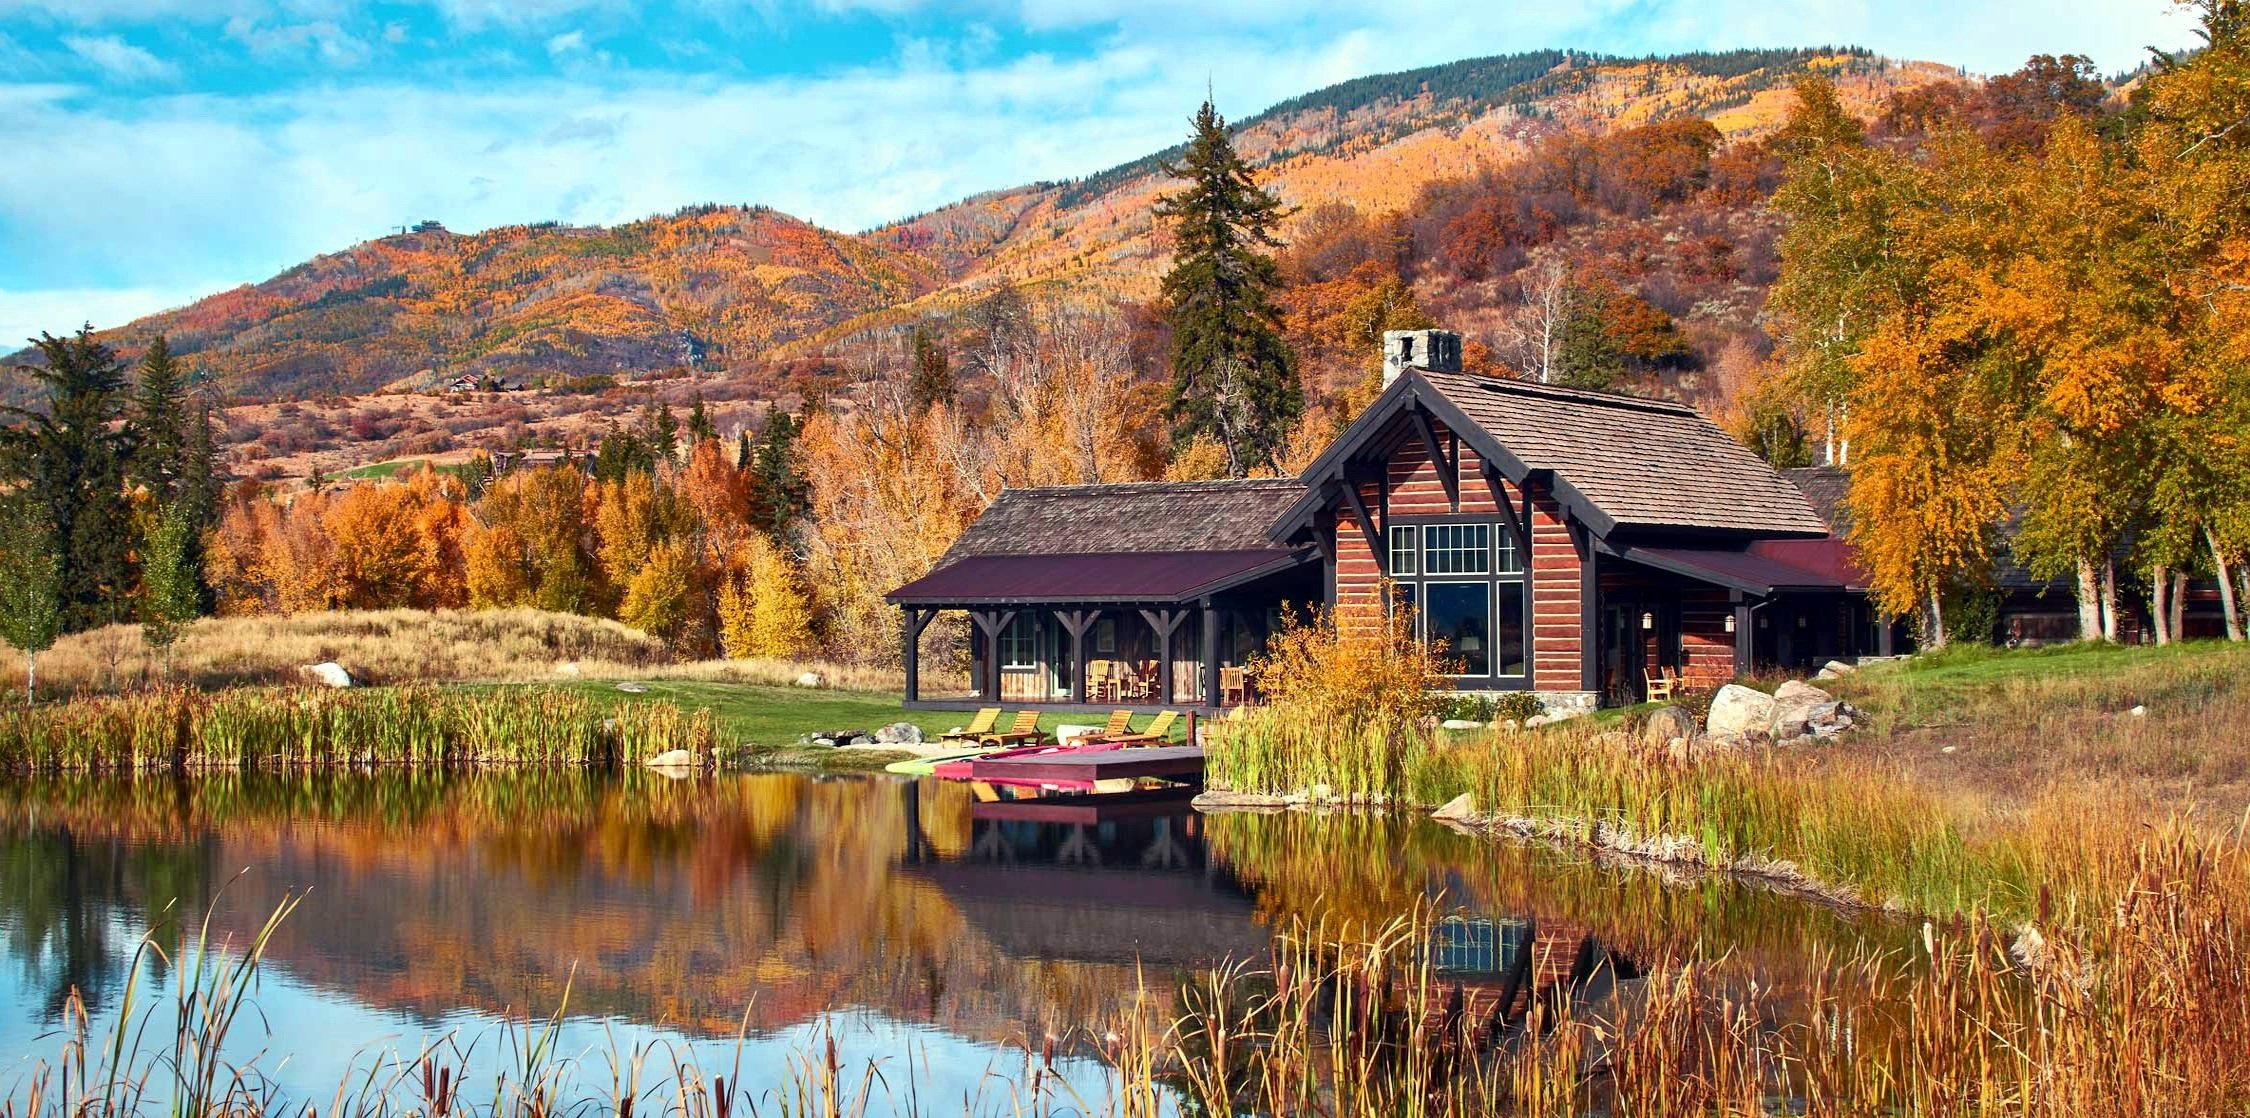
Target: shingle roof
1154, 516
1642, 463
1121, 576
1825, 487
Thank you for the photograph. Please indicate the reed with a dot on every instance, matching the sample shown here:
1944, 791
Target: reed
178, 728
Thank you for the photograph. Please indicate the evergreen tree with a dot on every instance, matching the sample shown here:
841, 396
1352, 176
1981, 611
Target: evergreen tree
1231, 374
663, 432
932, 380
70, 460
171, 580
699, 425
620, 454
780, 495
744, 453
30, 585
160, 414
1587, 355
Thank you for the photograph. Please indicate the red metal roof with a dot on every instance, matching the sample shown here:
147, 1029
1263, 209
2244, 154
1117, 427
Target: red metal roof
1756, 571
1120, 576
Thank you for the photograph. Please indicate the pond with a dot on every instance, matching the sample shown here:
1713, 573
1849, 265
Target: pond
747, 921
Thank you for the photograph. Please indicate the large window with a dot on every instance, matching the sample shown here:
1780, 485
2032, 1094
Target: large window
1465, 581
1019, 642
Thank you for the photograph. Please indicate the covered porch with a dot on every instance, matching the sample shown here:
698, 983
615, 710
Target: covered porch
1708, 616
1115, 630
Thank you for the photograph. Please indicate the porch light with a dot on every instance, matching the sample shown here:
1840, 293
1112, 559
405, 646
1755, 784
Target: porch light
1763, 620
1648, 621
1730, 623
1800, 621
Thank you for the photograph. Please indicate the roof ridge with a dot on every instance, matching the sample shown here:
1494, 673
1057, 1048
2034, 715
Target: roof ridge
1565, 392
1160, 483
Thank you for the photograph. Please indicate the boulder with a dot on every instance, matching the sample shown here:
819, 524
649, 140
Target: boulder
1461, 808
1461, 724
1794, 706
672, 759
633, 688
1834, 669
899, 733
809, 679
330, 674
1736, 710
1666, 723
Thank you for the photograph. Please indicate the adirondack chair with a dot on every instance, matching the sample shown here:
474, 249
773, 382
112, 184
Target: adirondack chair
1024, 729
1158, 729
987, 717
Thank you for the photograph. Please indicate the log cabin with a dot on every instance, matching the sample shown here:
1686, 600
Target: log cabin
1569, 543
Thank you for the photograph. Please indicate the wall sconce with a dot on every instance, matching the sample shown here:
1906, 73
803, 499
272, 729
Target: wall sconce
1800, 621
1762, 620
1730, 623
1648, 621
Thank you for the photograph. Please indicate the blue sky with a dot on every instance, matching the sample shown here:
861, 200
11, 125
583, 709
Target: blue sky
159, 150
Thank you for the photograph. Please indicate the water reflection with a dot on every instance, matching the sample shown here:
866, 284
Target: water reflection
918, 912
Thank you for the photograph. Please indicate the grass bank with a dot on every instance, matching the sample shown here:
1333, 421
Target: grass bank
179, 728
1987, 779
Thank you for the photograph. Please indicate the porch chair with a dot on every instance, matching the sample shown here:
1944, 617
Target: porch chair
982, 724
1660, 685
1024, 731
1234, 686
1159, 728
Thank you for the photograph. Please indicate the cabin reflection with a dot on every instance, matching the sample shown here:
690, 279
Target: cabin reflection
1506, 976
1123, 877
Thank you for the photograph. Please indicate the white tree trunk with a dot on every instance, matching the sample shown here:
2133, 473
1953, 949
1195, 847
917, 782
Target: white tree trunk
2178, 623
2109, 600
1933, 622
30, 678
2226, 586
2160, 603
2089, 601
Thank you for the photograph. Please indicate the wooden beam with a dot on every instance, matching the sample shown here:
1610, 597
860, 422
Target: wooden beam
1589, 613
1518, 527
1210, 665
910, 656
1165, 622
1075, 622
1367, 528
992, 622
1450, 478
1743, 626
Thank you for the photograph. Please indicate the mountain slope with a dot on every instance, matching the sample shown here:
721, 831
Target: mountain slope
721, 287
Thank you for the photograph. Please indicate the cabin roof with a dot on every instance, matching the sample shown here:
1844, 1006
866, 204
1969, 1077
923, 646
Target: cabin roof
1639, 462
1152, 516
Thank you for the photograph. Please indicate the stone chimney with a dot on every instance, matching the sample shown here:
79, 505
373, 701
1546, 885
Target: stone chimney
1436, 350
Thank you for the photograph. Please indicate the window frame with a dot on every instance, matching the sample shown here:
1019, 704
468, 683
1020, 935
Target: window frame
1501, 578
1028, 639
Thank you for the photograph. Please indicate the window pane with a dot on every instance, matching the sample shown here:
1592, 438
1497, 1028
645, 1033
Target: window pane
1507, 629
1404, 550
1019, 643
1508, 560
1460, 614
1458, 549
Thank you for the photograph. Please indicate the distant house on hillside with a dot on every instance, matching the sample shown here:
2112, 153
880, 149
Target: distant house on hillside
466, 382
1573, 544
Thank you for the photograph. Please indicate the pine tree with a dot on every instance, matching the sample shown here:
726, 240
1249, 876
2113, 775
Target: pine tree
160, 413
780, 494
932, 380
1231, 371
30, 585
70, 458
700, 428
663, 435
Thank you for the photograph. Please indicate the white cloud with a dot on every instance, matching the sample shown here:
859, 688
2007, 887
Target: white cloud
118, 58
566, 43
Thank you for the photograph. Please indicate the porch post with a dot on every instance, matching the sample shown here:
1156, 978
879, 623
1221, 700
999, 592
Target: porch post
1165, 623
1211, 694
1744, 627
1076, 622
911, 656
992, 622
1589, 612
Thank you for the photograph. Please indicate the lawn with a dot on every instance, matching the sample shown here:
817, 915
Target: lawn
381, 469
771, 719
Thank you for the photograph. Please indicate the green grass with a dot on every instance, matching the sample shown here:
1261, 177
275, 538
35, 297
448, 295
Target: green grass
771, 719
381, 469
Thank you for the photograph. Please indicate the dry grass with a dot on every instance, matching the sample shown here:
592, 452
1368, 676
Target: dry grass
400, 646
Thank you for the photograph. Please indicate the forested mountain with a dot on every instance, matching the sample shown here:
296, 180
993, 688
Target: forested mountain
712, 289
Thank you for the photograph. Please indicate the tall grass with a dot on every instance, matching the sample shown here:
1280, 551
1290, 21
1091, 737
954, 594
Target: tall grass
178, 728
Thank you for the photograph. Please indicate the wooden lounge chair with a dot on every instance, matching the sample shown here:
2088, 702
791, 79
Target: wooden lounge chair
982, 724
1024, 729
1120, 722
1660, 685
1158, 729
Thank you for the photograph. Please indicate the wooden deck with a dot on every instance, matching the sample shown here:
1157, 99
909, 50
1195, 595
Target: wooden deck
1146, 803
1167, 762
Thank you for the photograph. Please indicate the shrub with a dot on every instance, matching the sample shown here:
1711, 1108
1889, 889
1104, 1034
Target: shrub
1516, 706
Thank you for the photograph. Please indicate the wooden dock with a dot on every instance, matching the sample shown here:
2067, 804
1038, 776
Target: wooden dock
1164, 762
1110, 807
